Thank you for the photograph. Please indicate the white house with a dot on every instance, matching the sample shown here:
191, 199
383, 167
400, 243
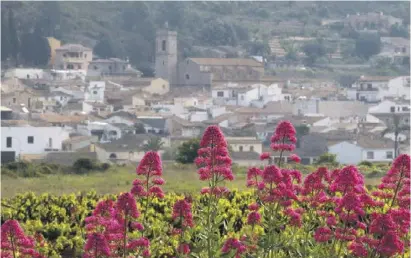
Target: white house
245, 144
386, 110
25, 73
366, 148
377, 88
32, 140
95, 91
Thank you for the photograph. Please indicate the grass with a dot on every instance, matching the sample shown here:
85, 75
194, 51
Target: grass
179, 179
115, 180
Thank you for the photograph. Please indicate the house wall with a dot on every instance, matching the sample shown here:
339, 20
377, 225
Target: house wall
248, 163
106, 68
119, 120
95, 91
63, 100
347, 153
186, 102
198, 116
190, 131
78, 63
158, 86
244, 99
196, 77
20, 97
41, 136
257, 147
397, 88
76, 94
25, 73
137, 101
379, 154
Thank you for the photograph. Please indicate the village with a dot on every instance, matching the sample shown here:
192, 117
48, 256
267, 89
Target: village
106, 110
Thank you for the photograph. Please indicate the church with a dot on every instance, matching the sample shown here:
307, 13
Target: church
201, 72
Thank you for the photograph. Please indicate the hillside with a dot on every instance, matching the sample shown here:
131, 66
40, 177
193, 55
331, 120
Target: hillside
130, 26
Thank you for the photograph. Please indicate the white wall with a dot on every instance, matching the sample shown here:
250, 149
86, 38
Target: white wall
119, 120
198, 116
397, 87
76, 94
347, 153
385, 107
379, 154
226, 93
95, 91
41, 135
25, 73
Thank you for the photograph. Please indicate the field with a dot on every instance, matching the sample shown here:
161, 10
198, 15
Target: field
179, 179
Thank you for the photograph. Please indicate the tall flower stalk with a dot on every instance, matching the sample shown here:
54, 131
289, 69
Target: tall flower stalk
214, 165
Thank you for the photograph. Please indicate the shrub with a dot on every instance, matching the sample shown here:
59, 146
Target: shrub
83, 165
365, 163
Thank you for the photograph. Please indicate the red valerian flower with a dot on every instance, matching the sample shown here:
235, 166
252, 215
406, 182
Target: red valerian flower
138, 243
272, 174
213, 159
284, 137
253, 207
295, 158
234, 244
322, 235
390, 245
13, 240
184, 248
347, 180
358, 249
96, 246
265, 155
104, 208
382, 223
253, 218
182, 210
150, 165
126, 205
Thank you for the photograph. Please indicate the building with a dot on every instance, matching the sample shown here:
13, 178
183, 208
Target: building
364, 148
157, 86
54, 44
200, 72
367, 88
73, 57
111, 67
95, 92
330, 108
30, 140
371, 21
245, 144
166, 55
386, 110
25, 73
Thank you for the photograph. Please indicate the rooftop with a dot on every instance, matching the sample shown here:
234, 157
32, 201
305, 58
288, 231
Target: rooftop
227, 61
73, 47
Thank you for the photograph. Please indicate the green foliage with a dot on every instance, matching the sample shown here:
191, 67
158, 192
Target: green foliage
258, 48
104, 48
187, 152
301, 130
399, 31
14, 44
365, 163
327, 159
35, 49
153, 144
218, 32
367, 45
313, 51
27, 169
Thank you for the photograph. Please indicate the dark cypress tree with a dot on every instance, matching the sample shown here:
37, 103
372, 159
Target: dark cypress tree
5, 43
13, 38
104, 48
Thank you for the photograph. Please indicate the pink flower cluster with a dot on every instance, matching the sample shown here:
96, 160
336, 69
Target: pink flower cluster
150, 168
182, 211
284, 138
108, 226
213, 159
13, 241
233, 244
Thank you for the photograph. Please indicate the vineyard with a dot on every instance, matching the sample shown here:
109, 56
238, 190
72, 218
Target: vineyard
329, 212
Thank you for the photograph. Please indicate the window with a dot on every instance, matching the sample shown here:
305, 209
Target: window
187, 76
405, 109
240, 148
251, 148
163, 63
85, 55
220, 93
392, 109
28, 76
64, 55
369, 86
113, 156
242, 97
94, 92
163, 45
79, 66
164, 86
50, 143
8, 144
30, 139
14, 100
370, 155
109, 67
389, 154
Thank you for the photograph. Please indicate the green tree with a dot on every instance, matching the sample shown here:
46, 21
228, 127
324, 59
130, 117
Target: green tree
313, 51
35, 49
327, 159
399, 31
218, 32
104, 48
13, 38
258, 48
367, 45
153, 144
301, 130
5, 43
187, 152
50, 18
396, 127
172, 12
139, 128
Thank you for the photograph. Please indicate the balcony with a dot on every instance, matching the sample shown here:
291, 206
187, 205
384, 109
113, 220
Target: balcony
76, 60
